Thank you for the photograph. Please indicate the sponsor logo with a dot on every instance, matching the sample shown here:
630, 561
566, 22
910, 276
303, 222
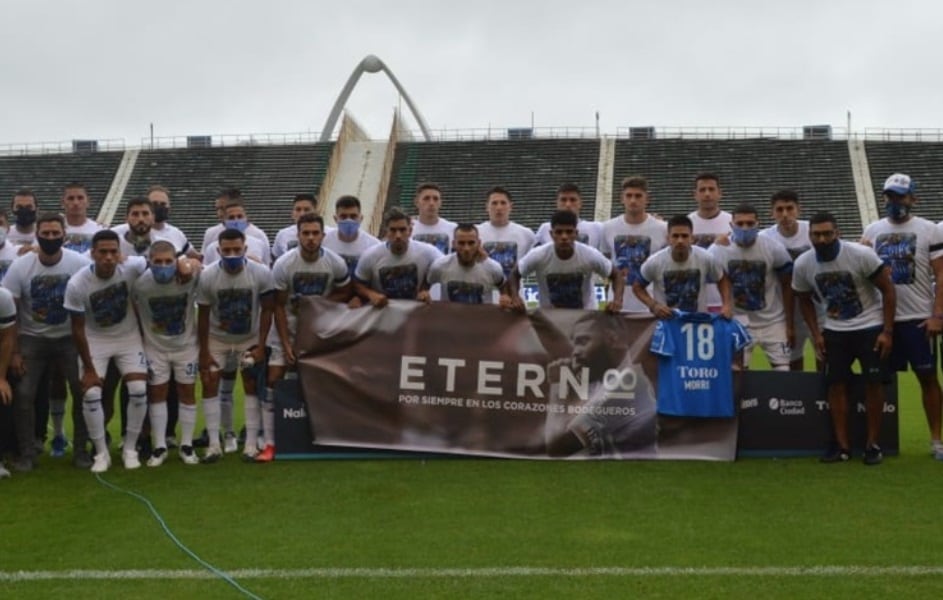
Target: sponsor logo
787, 407
294, 413
749, 403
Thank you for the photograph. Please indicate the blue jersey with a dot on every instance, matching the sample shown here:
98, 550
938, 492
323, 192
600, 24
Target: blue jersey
695, 353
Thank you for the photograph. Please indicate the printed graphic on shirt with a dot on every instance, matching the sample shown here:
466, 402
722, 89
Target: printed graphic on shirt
704, 239
465, 292
235, 311
46, 293
682, 289
629, 252
749, 283
504, 253
78, 242
439, 240
400, 282
566, 290
168, 314
351, 264
898, 250
839, 293
307, 284
109, 305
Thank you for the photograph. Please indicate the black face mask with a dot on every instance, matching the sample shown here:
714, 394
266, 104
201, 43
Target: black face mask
25, 216
50, 246
161, 213
828, 251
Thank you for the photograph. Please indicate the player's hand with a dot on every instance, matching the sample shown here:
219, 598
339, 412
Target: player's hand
17, 366
932, 327
505, 301
90, 379
722, 239
355, 302
288, 353
24, 248
662, 312
865, 242
791, 336
883, 344
424, 296
819, 343
517, 303
613, 307
379, 300
726, 311
6, 393
207, 364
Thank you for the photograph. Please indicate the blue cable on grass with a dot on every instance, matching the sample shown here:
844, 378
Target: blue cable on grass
160, 520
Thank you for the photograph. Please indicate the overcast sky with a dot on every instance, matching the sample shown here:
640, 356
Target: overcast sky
108, 68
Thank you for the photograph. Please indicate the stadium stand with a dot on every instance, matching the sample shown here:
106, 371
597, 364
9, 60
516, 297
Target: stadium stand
750, 170
269, 177
47, 173
530, 169
923, 161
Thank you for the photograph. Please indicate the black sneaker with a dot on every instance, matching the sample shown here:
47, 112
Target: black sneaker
81, 459
873, 455
203, 441
836, 454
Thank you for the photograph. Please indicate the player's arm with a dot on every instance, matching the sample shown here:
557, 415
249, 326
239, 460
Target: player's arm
203, 338
267, 305
89, 377
934, 325
7, 346
726, 296
374, 297
617, 281
514, 288
281, 324
341, 293
785, 283
882, 281
639, 288
17, 366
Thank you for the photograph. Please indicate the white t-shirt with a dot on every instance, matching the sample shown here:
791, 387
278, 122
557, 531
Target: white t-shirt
169, 233
629, 245
705, 232
299, 277
234, 300
40, 291
110, 320
587, 232
852, 302
79, 237
167, 312
19, 238
349, 251
439, 235
473, 284
255, 248
565, 283
397, 276
681, 285
8, 253
212, 235
907, 248
754, 274
7, 309
506, 244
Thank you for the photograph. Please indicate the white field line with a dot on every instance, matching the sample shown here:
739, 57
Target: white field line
484, 572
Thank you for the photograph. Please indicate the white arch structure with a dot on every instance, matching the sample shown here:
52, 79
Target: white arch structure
370, 64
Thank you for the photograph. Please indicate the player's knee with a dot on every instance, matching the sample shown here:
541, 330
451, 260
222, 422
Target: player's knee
137, 388
92, 394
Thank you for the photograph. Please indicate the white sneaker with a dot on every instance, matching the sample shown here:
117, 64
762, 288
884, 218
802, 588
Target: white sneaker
157, 457
936, 449
101, 462
230, 443
3, 472
249, 453
213, 454
188, 456
130, 459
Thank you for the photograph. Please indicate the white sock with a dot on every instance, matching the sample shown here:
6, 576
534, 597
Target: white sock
157, 413
211, 415
225, 399
95, 418
137, 412
268, 417
187, 418
57, 415
252, 420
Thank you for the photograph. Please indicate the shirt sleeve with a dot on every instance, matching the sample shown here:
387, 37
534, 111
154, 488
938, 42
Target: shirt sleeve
73, 300
7, 309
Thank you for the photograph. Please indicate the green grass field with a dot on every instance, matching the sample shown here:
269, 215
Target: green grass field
756, 528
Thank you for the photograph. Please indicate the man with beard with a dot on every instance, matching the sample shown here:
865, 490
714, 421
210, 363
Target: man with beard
161, 229
23, 207
464, 276
617, 416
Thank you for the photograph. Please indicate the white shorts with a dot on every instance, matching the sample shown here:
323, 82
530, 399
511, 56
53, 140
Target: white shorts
130, 361
276, 357
183, 363
227, 355
772, 339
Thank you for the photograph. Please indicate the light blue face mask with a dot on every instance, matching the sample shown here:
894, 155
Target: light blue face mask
232, 263
163, 274
348, 227
744, 237
237, 224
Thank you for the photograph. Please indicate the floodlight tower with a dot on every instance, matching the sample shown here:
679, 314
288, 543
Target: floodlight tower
370, 64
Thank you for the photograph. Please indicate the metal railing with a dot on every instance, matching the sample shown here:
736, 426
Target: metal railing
487, 134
